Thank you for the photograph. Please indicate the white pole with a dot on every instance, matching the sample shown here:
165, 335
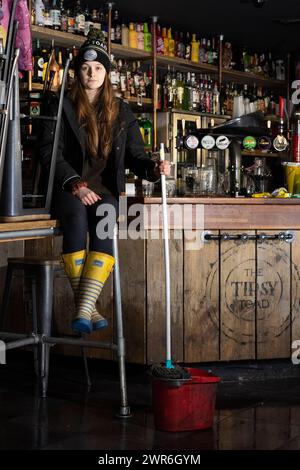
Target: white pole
167, 263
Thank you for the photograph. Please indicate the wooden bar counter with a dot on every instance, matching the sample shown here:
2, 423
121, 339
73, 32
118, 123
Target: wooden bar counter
231, 299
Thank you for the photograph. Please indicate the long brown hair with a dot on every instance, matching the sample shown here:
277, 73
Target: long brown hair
98, 119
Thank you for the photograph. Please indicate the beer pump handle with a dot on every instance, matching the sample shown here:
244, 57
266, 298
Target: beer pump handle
281, 105
183, 127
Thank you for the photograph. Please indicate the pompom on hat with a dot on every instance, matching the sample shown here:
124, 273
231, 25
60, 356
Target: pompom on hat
93, 49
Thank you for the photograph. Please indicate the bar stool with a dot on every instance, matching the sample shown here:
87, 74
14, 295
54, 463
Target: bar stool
42, 272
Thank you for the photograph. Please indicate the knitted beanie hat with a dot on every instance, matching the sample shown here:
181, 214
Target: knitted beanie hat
93, 49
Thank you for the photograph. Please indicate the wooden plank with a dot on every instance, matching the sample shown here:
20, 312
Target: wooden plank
273, 299
132, 259
229, 216
251, 217
156, 340
237, 299
295, 287
201, 303
10, 226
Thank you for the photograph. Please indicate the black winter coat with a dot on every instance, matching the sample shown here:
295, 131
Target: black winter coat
127, 149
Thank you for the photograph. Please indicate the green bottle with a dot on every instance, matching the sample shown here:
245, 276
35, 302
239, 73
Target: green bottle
148, 132
147, 39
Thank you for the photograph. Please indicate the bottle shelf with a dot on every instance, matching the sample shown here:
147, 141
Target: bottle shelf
135, 101
63, 39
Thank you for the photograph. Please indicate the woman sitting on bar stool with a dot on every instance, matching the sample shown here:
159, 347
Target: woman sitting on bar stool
99, 136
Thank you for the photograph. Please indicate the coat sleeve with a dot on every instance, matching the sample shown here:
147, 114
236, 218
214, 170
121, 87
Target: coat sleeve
136, 158
64, 173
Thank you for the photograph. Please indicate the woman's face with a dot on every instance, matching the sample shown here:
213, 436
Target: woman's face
92, 75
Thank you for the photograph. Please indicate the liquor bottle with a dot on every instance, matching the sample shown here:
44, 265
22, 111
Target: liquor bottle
148, 132
180, 52
179, 91
88, 22
166, 41
187, 47
159, 41
103, 21
39, 13
60, 68
132, 36
63, 17
79, 19
54, 73
48, 17
140, 36
176, 41
116, 28
216, 100
202, 51
215, 51
124, 35
194, 49
209, 51
71, 71
114, 76
70, 21
43, 62
171, 43
147, 38
37, 63
95, 19
55, 15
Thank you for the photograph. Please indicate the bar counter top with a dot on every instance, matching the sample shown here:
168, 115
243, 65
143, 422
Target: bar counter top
218, 200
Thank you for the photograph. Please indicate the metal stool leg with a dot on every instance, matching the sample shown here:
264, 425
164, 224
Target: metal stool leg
5, 299
34, 323
124, 408
86, 367
44, 309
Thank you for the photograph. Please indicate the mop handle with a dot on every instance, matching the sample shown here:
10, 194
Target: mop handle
167, 262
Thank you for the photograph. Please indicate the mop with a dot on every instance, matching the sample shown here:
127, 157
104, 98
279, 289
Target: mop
168, 370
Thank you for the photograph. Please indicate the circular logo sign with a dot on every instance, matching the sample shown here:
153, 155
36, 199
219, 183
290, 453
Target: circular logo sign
264, 143
90, 55
280, 143
222, 142
249, 142
192, 142
208, 142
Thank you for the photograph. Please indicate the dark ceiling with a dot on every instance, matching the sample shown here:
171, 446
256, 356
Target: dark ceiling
239, 20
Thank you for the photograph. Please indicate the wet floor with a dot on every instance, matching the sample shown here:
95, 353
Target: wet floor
257, 415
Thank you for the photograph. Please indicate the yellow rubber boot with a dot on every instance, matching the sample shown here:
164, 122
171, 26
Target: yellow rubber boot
73, 265
97, 269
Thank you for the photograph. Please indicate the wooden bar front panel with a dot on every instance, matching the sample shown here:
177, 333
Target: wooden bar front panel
237, 305
201, 303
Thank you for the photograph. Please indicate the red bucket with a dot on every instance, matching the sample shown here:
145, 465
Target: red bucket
185, 405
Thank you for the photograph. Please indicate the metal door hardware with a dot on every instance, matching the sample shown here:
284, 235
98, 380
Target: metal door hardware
286, 236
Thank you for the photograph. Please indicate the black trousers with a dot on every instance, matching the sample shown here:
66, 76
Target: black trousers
78, 220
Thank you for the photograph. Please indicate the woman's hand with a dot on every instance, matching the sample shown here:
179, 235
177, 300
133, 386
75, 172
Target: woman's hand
164, 167
87, 196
